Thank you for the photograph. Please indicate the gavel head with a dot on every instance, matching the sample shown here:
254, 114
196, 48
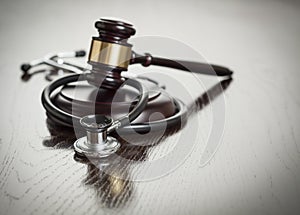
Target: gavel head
110, 53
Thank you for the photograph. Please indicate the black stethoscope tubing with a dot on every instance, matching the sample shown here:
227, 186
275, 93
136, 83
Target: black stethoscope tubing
124, 124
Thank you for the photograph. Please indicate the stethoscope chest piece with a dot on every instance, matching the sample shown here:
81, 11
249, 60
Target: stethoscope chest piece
96, 143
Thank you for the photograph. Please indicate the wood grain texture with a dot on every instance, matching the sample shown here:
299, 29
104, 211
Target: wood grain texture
256, 167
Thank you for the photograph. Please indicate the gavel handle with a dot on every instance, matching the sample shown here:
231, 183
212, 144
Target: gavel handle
195, 67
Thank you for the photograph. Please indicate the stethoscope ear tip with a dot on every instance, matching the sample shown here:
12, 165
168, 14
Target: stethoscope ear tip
25, 67
80, 53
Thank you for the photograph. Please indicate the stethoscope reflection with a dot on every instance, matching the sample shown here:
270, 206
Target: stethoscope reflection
111, 177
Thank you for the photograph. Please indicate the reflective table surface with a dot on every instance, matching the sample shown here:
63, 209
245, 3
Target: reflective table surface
238, 153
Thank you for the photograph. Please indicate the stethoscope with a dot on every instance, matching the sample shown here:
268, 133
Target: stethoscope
110, 54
